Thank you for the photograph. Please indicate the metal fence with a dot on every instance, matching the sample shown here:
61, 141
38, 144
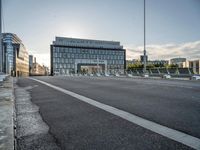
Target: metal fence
182, 72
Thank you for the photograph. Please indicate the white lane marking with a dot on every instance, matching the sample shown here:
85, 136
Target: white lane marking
178, 136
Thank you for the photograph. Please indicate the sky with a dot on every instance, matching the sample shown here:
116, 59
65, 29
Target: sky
172, 26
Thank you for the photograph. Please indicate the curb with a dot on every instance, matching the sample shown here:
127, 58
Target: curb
14, 118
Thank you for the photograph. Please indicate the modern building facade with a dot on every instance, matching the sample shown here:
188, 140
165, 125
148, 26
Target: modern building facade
70, 55
31, 61
15, 60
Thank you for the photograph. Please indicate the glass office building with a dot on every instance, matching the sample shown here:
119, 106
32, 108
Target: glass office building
70, 55
15, 59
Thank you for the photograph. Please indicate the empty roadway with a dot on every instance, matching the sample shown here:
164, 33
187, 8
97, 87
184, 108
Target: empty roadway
77, 125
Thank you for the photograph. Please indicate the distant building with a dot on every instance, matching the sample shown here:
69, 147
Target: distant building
70, 55
47, 72
194, 65
178, 61
38, 70
32, 61
158, 62
15, 60
35, 69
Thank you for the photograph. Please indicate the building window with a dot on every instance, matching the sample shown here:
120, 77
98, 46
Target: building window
57, 50
65, 66
54, 49
64, 55
68, 55
84, 56
72, 66
66, 50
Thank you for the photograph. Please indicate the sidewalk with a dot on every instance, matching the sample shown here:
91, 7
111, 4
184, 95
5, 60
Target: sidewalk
6, 114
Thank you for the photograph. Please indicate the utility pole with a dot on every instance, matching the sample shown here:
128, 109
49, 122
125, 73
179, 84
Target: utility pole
97, 64
145, 56
1, 39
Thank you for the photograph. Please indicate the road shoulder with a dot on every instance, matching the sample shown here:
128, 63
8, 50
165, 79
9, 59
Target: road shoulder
32, 132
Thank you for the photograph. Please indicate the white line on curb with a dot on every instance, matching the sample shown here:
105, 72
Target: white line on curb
157, 128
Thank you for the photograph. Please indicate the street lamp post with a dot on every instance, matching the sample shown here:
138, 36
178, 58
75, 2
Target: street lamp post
1, 36
145, 57
98, 64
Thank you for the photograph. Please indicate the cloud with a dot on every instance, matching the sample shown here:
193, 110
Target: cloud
190, 50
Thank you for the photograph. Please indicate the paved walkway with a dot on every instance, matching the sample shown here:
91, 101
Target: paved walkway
6, 115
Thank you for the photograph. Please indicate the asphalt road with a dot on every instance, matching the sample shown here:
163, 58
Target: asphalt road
78, 125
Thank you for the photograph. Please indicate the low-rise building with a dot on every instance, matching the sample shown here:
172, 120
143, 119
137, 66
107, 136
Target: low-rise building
35, 69
70, 55
15, 60
158, 62
178, 61
194, 65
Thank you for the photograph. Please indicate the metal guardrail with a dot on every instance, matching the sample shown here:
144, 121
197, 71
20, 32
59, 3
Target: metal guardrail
152, 72
160, 71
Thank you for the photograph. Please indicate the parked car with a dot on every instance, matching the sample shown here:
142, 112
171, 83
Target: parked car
195, 77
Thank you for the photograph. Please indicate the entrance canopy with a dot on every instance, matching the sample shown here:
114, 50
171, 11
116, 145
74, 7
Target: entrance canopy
90, 65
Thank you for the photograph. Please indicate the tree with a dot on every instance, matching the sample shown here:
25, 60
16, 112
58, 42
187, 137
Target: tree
171, 66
